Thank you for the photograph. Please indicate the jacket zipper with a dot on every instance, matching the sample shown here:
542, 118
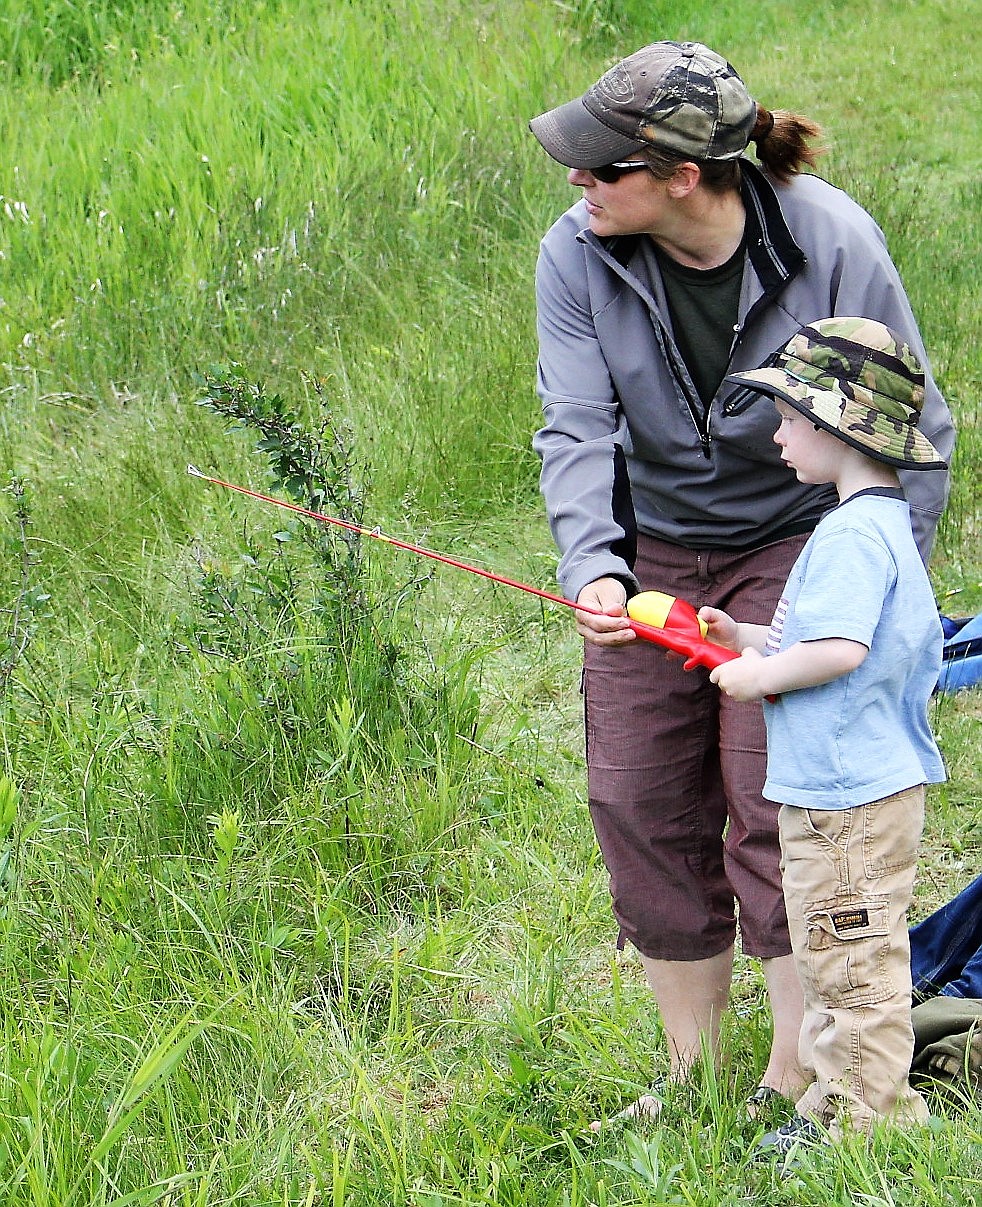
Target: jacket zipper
700, 419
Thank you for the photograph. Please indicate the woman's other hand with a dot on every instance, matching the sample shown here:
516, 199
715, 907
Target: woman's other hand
609, 597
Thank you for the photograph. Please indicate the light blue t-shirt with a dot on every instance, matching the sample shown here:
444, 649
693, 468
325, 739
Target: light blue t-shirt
864, 735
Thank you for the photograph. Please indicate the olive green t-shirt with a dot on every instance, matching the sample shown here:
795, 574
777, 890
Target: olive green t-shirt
703, 304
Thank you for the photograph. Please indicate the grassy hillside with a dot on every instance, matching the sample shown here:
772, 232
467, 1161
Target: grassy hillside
299, 903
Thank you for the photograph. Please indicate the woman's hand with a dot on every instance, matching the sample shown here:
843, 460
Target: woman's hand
609, 596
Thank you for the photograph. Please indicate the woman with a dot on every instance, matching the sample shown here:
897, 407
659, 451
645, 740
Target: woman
681, 262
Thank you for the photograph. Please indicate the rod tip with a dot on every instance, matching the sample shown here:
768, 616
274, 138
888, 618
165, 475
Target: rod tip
195, 472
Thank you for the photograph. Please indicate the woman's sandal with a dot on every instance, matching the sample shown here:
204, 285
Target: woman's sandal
762, 1100
641, 1110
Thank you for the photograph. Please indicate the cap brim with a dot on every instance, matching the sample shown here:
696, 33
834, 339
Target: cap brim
777, 384
577, 139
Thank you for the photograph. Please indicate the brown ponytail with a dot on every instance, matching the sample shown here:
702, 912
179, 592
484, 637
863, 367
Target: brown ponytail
782, 141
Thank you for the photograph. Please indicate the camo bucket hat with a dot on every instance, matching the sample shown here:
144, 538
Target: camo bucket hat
674, 96
857, 379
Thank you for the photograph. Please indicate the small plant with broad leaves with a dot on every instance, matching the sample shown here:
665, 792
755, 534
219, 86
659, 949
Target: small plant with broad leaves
317, 470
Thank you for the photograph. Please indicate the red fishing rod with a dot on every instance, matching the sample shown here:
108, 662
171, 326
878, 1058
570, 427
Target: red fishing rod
662, 619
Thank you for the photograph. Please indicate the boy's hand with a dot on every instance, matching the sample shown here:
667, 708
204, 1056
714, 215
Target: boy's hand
742, 678
721, 628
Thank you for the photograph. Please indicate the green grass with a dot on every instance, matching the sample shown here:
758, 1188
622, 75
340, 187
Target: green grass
299, 900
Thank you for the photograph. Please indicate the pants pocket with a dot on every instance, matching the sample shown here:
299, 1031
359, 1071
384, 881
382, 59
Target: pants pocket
848, 945
891, 832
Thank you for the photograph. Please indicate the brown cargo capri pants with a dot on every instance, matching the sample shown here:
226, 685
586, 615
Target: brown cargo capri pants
675, 771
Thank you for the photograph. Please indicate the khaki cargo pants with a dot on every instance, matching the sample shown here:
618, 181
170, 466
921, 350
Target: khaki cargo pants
848, 879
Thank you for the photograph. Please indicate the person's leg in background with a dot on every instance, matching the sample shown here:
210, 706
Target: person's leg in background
946, 948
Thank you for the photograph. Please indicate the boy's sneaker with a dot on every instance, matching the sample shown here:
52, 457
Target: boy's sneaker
796, 1133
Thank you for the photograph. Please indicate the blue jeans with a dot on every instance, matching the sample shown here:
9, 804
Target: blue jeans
946, 948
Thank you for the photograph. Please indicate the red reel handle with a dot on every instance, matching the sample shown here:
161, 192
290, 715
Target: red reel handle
698, 652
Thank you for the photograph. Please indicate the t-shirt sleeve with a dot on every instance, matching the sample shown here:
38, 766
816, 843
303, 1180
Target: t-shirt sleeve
848, 575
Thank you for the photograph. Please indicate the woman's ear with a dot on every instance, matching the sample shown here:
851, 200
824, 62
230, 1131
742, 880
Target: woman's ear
684, 179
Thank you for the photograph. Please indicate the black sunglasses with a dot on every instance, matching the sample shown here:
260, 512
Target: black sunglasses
610, 173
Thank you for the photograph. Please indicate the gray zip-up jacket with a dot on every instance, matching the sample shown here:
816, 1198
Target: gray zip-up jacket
627, 444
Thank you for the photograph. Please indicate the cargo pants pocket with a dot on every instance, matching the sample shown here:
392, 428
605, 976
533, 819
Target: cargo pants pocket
848, 945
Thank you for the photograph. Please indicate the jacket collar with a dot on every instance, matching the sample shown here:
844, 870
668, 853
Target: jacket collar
772, 248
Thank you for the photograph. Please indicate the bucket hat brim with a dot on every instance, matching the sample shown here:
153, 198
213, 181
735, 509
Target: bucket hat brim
876, 435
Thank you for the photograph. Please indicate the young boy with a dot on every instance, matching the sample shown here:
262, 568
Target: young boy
852, 656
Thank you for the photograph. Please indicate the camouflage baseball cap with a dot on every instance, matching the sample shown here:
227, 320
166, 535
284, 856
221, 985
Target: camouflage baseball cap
674, 96
857, 379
